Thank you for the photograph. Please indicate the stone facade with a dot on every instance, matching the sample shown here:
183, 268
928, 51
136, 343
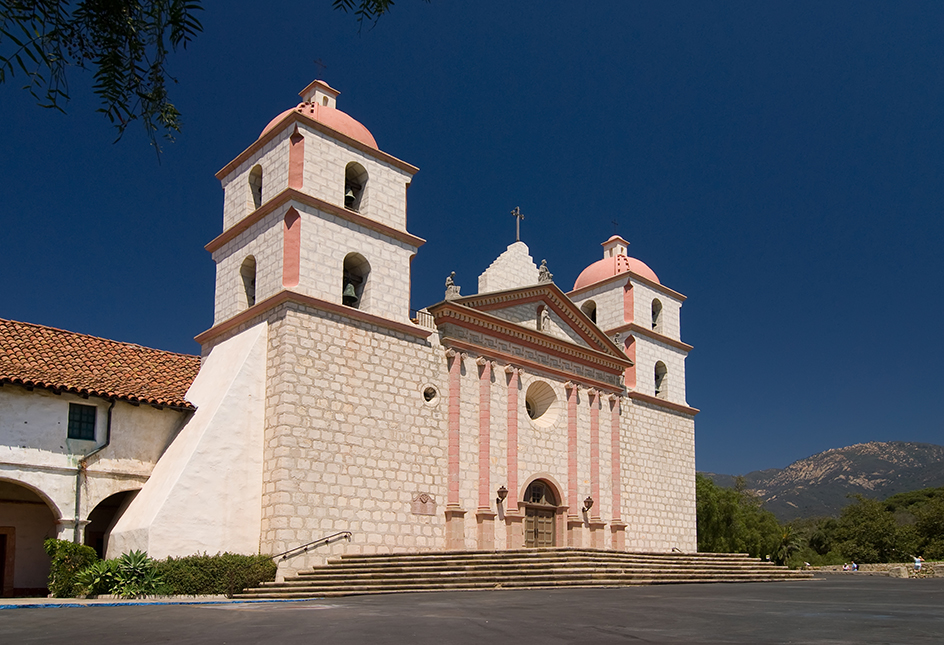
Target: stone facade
519, 416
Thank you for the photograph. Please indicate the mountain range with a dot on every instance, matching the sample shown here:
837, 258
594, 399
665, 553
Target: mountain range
820, 485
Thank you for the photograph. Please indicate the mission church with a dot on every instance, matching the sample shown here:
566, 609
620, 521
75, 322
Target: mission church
519, 416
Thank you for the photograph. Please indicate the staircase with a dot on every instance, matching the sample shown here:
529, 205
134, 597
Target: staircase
517, 569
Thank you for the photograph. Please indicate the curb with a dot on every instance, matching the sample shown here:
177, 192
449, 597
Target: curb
138, 603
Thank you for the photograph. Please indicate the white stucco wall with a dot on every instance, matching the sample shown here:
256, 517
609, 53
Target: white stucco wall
204, 494
513, 268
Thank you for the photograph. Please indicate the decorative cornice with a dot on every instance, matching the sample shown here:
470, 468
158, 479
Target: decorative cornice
533, 366
463, 316
293, 195
544, 292
635, 328
635, 276
662, 403
316, 303
296, 117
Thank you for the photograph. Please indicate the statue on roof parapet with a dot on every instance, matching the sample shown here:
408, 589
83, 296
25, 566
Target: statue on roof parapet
452, 290
544, 275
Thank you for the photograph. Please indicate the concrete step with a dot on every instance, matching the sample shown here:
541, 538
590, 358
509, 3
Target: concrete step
516, 569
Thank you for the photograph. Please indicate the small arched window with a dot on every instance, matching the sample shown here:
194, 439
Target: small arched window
248, 273
255, 186
657, 315
590, 308
354, 286
662, 380
355, 187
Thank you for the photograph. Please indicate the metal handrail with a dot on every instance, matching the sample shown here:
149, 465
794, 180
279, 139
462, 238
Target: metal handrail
311, 545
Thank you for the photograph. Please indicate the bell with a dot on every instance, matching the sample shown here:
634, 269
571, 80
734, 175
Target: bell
349, 197
349, 297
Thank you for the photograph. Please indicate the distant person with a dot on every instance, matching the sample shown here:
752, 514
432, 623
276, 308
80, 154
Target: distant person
855, 567
918, 560
845, 567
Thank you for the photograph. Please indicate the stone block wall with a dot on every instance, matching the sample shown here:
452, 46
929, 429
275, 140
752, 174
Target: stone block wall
350, 440
608, 298
643, 295
237, 195
658, 457
650, 351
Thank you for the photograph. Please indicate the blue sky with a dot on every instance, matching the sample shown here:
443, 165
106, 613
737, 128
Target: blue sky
782, 164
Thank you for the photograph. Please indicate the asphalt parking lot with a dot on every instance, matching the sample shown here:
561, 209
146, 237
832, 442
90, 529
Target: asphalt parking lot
832, 609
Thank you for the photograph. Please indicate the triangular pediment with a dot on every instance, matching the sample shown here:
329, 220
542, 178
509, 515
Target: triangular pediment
544, 313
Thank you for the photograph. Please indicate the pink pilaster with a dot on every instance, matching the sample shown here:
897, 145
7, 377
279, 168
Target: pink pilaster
595, 453
455, 529
514, 519
572, 448
296, 160
616, 525
484, 516
291, 248
629, 376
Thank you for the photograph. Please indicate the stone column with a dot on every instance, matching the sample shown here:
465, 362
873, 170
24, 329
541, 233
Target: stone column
484, 516
514, 519
455, 523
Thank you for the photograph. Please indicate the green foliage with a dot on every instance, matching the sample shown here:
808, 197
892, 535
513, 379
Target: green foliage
732, 521
136, 576
67, 559
125, 44
224, 573
100, 577
365, 10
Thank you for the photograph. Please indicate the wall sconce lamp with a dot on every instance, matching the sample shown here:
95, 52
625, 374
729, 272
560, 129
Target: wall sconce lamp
502, 494
587, 504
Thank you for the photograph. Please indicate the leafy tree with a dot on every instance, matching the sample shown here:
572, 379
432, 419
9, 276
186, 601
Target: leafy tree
867, 532
732, 521
124, 43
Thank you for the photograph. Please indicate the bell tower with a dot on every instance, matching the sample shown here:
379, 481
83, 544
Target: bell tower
314, 211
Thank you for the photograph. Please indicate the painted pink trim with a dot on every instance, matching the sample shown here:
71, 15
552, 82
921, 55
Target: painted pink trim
629, 307
572, 450
629, 376
633, 328
485, 418
291, 194
291, 248
615, 460
453, 449
316, 303
533, 365
513, 434
595, 453
296, 160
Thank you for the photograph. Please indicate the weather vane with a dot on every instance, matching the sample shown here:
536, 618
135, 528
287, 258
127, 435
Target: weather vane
518, 217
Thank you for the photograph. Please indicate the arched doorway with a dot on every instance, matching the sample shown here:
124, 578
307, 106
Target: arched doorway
103, 518
26, 519
540, 513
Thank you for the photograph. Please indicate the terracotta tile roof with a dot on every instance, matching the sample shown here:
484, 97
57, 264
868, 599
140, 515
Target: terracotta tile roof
64, 361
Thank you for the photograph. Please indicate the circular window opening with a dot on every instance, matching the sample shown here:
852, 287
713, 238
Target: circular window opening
429, 394
540, 402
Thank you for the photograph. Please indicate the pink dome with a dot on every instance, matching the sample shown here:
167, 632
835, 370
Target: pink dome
331, 117
608, 267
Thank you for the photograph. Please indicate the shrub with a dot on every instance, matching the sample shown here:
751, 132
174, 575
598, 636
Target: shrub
136, 576
223, 573
67, 560
100, 577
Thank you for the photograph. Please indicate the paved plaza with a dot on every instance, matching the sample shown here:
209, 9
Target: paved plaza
832, 609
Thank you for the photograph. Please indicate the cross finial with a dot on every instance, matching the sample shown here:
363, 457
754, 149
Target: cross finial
518, 217
615, 226
321, 67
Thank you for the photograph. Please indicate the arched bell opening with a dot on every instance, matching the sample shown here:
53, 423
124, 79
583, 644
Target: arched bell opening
355, 291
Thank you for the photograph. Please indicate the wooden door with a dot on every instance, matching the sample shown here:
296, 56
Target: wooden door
538, 528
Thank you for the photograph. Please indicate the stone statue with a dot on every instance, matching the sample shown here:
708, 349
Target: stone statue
543, 274
545, 323
452, 291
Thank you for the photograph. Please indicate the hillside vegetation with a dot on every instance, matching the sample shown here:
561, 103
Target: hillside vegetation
823, 484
